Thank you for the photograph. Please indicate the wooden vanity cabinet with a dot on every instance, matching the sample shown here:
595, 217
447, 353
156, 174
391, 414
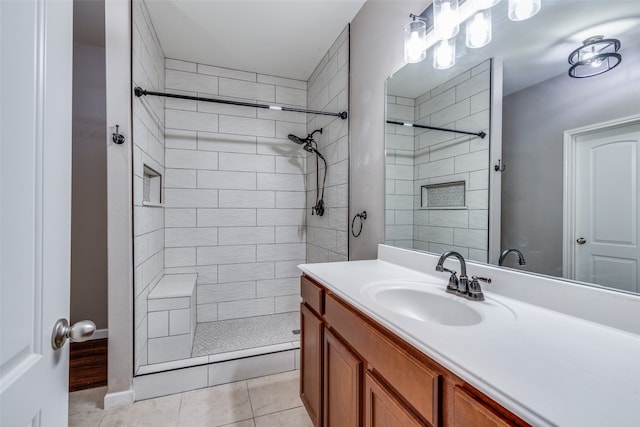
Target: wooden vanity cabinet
311, 340
355, 372
342, 384
383, 409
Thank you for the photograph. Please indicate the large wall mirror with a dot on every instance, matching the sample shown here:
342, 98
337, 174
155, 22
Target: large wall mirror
556, 176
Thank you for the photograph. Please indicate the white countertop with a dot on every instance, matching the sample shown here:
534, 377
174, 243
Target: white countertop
549, 368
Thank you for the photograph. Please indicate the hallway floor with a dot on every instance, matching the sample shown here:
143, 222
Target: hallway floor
271, 401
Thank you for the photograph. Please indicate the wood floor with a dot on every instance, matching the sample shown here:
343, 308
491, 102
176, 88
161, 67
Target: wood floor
88, 364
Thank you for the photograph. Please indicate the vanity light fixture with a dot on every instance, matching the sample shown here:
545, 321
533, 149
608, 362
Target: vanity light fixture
439, 24
519, 10
415, 41
479, 29
484, 4
445, 19
597, 55
444, 54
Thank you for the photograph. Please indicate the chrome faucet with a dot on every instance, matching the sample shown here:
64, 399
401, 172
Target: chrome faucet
506, 252
462, 287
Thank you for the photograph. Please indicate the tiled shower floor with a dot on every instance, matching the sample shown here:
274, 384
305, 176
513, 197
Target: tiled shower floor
241, 334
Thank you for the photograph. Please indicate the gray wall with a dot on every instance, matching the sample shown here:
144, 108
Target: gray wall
534, 120
376, 52
89, 169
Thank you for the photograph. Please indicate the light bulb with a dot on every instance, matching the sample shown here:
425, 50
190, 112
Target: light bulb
445, 19
415, 40
444, 54
479, 29
519, 10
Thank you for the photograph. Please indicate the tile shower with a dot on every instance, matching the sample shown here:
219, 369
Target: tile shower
417, 159
233, 219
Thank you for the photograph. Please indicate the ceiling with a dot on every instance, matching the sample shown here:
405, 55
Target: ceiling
534, 50
285, 38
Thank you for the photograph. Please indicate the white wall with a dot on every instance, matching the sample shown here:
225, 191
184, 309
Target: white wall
399, 168
148, 149
235, 190
328, 90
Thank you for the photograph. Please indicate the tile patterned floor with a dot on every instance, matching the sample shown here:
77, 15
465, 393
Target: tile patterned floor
271, 401
238, 334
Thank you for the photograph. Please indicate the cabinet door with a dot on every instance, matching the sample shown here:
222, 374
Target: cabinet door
470, 412
342, 384
311, 363
382, 409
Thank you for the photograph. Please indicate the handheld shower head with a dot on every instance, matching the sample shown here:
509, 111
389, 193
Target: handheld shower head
306, 141
297, 139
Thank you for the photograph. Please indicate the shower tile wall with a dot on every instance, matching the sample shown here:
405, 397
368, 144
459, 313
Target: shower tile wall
399, 159
235, 190
461, 103
417, 157
148, 148
328, 90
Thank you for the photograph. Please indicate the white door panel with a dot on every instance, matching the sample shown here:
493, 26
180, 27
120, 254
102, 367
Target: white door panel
35, 193
606, 213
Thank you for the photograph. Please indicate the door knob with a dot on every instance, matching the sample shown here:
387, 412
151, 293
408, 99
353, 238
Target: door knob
78, 332
581, 240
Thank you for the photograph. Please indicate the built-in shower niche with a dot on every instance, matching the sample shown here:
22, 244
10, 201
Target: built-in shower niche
151, 187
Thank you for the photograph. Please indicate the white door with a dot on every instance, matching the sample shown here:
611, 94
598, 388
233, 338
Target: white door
607, 205
35, 208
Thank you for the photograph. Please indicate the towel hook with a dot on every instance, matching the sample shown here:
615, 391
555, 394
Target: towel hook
117, 137
499, 167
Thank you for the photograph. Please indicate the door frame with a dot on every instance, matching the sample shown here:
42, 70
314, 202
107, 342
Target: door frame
569, 185
119, 204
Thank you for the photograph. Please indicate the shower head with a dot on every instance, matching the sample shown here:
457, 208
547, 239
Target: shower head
297, 139
306, 141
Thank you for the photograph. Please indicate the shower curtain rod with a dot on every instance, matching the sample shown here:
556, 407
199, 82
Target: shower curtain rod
480, 134
140, 92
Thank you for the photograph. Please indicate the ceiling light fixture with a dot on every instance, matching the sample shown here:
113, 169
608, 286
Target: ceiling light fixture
597, 55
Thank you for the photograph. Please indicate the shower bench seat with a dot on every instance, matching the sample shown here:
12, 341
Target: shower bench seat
171, 311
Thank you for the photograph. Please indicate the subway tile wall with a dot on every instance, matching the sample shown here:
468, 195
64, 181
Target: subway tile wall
439, 157
399, 156
328, 90
148, 149
235, 190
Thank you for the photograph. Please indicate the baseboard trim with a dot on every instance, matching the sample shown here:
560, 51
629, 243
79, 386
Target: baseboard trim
120, 398
100, 334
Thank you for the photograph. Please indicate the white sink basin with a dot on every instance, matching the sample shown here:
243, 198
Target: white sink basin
423, 301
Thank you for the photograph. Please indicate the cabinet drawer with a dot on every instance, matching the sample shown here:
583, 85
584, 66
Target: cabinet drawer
471, 412
312, 294
419, 386
382, 409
